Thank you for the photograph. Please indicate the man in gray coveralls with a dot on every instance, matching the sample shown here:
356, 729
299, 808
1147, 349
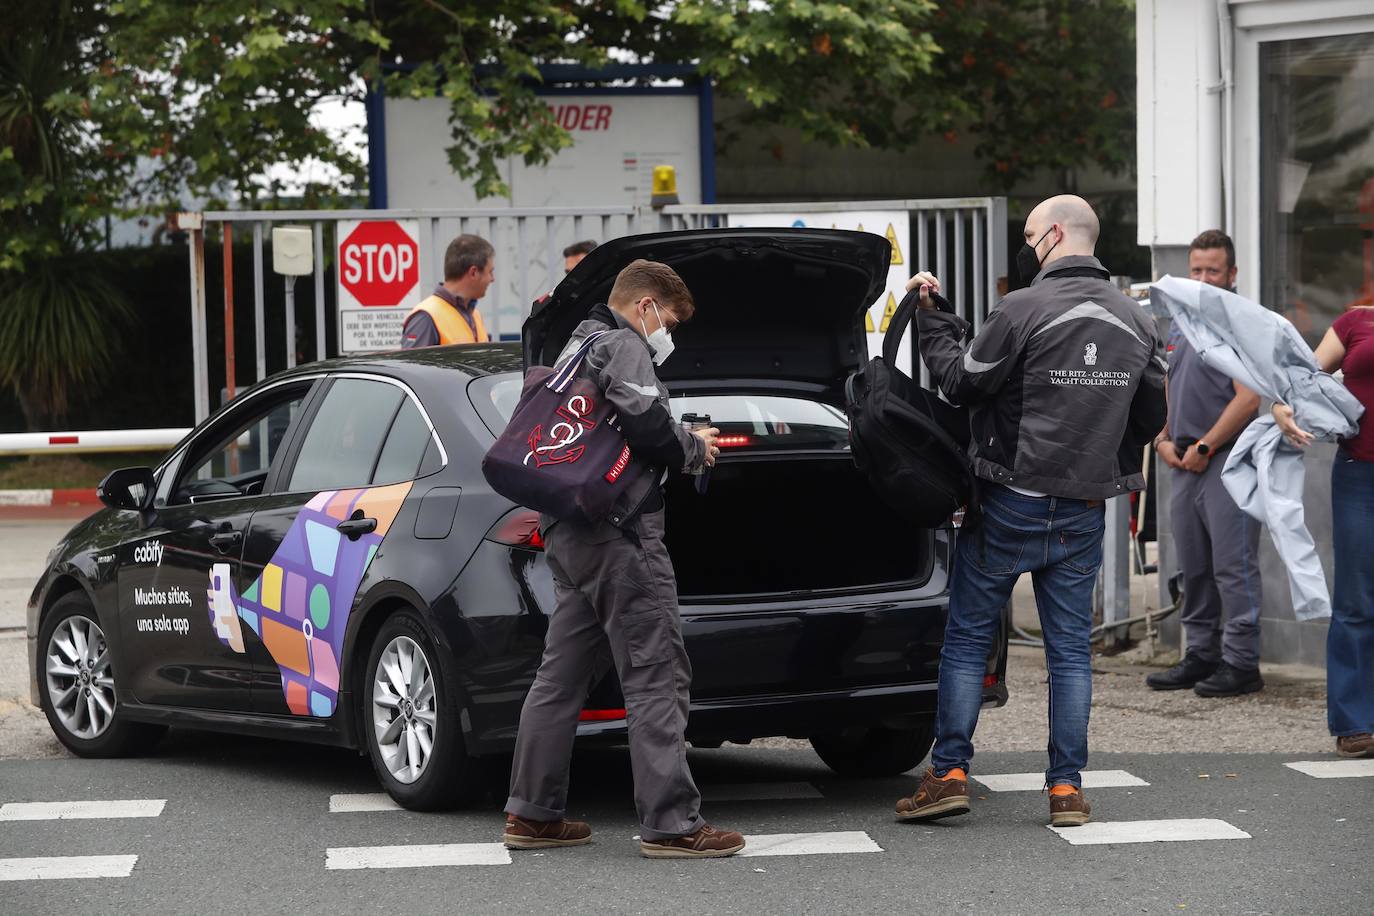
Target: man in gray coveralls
617, 597
1217, 544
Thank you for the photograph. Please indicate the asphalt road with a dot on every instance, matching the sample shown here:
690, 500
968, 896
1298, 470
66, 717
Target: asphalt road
247, 826
237, 825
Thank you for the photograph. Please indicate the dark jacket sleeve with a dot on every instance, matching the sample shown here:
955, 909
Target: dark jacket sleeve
622, 368
419, 331
968, 373
1149, 407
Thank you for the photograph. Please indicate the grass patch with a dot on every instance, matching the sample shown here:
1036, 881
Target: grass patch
59, 472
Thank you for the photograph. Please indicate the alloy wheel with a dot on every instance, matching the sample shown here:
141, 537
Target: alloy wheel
403, 709
80, 681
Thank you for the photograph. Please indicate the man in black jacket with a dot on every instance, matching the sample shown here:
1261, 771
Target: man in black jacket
1065, 385
617, 599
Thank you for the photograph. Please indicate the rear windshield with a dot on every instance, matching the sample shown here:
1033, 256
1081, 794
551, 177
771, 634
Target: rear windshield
745, 421
768, 421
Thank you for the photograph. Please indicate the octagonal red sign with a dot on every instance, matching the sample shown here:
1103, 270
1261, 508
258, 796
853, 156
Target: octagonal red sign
379, 263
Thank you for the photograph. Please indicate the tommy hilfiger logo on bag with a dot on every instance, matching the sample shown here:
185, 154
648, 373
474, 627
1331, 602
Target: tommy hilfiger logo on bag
575, 421
620, 465
1090, 355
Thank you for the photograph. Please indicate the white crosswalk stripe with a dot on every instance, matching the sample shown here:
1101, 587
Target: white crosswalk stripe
1333, 769
1034, 782
1177, 830
53, 868
81, 810
416, 856
760, 791
362, 801
809, 844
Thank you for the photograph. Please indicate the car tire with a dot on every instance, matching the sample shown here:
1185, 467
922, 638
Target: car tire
394, 724
875, 751
82, 707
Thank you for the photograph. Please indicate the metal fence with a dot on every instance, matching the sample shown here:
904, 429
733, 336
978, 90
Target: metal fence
962, 239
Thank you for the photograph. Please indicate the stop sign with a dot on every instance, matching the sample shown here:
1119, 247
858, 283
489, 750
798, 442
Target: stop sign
379, 263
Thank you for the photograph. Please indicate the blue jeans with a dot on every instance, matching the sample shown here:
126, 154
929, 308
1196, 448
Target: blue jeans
1350, 641
1059, 542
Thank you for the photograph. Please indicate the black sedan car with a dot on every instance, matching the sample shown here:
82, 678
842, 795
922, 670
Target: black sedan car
322, 560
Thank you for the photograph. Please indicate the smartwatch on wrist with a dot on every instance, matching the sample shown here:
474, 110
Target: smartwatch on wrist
1203, 448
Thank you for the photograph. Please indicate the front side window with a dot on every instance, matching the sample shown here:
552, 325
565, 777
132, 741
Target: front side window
1317, 178
236, 463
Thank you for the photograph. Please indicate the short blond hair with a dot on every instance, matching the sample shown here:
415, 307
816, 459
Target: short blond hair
659, 282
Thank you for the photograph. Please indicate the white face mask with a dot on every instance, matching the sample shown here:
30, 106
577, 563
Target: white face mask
660, 342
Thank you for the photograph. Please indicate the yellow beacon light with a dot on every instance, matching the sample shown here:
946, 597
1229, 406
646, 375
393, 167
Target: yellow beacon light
665, 186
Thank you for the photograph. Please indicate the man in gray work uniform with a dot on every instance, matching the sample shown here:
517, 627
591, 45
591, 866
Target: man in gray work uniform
1217, 544
617, 599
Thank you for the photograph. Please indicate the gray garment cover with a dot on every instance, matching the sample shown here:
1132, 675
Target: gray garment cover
1264, 473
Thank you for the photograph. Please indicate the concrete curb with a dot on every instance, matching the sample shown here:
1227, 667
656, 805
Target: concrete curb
55, 497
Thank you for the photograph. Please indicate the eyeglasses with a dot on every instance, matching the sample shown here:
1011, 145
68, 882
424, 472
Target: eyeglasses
671, 322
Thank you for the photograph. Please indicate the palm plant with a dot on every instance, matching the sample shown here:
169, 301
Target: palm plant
59, 316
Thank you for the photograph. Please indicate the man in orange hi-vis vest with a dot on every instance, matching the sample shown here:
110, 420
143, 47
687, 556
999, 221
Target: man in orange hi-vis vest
450, 315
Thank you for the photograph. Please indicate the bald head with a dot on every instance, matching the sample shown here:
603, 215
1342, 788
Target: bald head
1062, 226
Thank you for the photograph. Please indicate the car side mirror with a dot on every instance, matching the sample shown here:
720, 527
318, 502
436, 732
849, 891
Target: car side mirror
128, 488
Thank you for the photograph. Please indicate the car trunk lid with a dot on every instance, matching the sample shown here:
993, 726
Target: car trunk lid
773, 306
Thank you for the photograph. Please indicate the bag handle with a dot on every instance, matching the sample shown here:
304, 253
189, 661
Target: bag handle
901, 318
560, 379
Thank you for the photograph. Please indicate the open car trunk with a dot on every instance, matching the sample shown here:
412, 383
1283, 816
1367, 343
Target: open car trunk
786, 525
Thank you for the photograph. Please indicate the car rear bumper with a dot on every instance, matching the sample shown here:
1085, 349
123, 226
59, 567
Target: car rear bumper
802, 715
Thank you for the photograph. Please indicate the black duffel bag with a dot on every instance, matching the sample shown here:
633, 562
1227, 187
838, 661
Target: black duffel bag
911, 445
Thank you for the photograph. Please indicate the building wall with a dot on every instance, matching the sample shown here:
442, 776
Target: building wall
1199, 161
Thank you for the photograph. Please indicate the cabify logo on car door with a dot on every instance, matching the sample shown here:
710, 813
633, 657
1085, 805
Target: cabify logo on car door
299, 606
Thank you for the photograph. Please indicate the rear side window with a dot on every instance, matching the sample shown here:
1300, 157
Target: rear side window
345, 438
495, 398
405, 446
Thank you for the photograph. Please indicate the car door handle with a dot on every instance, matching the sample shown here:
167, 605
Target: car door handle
355, 528
224, 541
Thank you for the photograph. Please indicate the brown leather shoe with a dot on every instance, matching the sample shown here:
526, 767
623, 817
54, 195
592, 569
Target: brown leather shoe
1070, 810
526, 834
706, 843
935, 798
1351, 746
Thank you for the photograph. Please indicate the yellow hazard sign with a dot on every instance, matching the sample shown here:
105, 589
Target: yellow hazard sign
896, 247
888, 311
868, 323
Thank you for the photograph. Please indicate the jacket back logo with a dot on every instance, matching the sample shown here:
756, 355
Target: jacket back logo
575, 420
1090, 355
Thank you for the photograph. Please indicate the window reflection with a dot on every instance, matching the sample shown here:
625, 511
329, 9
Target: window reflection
1317, 177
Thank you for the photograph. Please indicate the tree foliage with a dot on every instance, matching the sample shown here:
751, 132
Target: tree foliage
218, 98
1041, 84
112, 107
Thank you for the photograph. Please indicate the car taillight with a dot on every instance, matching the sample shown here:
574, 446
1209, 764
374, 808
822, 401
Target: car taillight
518, 529
600, 715
733, 441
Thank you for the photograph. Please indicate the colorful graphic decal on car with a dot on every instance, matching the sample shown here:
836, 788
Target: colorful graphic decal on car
299, 606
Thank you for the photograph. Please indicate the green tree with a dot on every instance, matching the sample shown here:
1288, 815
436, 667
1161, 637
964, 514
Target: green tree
57, 310
114, 107
1042, 84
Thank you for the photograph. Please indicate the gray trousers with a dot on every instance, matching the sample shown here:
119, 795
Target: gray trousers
617, 602
1217, 546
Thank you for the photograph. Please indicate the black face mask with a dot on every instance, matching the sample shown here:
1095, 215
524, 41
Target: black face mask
1028, 262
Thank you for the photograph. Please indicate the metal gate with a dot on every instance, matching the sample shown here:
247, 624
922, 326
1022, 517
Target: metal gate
963, 240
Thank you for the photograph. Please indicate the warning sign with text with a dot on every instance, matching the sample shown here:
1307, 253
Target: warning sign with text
893, 225
379, 282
